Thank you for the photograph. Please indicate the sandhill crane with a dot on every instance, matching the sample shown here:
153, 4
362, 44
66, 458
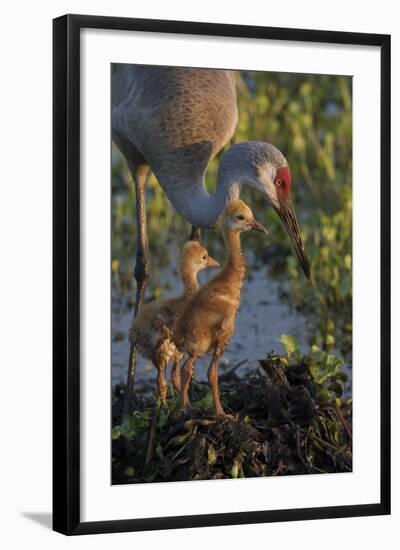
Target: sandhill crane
173, 121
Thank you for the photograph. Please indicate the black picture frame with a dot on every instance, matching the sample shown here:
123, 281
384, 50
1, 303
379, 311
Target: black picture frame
66, 273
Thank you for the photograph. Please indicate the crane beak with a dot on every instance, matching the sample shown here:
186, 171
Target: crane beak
256, 226
287, 215
211, 262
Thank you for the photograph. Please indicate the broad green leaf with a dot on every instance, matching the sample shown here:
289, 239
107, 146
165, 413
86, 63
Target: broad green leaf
211, 455
324, 393
163, 416
330, 340
337, 387
290, 344
116, 432
206, 402
235, 470
132, 424
347, 261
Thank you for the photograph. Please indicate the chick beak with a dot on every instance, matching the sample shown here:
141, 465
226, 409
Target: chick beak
254, 224
211, 262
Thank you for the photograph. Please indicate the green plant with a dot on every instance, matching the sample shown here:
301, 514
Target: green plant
131, 425
325, 368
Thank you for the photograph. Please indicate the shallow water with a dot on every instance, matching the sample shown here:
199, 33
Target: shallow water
263, 317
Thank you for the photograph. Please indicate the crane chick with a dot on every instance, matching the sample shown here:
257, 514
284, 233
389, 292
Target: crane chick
208, 320
152, 328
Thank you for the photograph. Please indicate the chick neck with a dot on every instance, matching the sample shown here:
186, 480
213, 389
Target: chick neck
189, 279
236, 262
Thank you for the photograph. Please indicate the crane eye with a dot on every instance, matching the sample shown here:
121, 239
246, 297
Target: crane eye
240, 217
278, 182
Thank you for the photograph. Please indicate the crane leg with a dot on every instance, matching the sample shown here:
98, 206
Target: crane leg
142, 269
142, 266
195, 234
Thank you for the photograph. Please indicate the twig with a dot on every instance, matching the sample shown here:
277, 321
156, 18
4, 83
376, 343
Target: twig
130, 383
185, 445
337, 449
227, 375
342, 420
152, 437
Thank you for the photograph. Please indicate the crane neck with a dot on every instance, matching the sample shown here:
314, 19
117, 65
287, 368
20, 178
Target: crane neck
187, 191
200, 207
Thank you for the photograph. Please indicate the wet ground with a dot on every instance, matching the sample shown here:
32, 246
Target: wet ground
263, 317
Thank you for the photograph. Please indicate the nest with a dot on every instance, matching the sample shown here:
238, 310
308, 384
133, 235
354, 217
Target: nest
282, 427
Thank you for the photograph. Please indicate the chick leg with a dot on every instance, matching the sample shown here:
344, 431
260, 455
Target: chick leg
176, 375
186, 376
213, 379
162, 385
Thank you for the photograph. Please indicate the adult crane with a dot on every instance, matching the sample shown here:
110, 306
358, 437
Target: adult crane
173, 121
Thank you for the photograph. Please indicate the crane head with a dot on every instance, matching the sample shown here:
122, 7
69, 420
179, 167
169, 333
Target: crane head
284, 208
275, 180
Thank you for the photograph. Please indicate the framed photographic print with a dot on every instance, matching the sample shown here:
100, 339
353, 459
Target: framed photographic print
221, 274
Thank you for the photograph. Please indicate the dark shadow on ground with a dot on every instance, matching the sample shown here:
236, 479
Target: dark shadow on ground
42, 518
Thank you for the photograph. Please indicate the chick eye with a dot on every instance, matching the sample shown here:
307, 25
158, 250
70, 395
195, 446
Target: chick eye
204, 257
278, 183
240, 217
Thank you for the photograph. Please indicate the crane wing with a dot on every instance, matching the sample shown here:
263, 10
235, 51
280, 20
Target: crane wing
176, 119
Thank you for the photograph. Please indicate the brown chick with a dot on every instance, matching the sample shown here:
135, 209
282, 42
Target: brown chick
208, 319
152, 328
